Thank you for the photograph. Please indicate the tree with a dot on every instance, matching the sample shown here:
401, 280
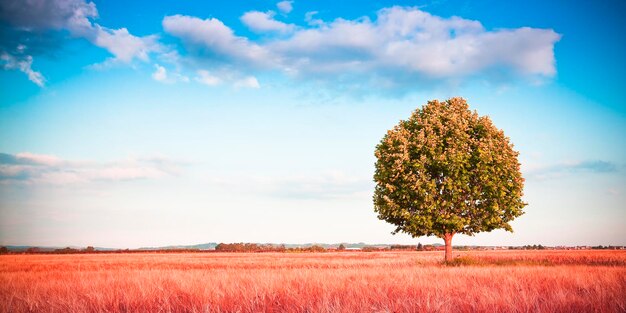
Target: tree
341, 247
33, 250
316, 248
445, 171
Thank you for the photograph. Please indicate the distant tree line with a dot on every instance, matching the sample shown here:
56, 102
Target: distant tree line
421, 247
253, 247
601, 247
528, 247
313, 248
249, 247
403, 247
68, 250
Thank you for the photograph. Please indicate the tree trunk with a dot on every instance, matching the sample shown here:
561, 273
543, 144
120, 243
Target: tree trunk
448, 239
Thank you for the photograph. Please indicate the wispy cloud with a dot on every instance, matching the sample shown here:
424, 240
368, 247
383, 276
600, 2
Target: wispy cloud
224, 46
261, 22
247, 82
597, 166
24, 64
213, 79
567, 168
23, 21
205, 77
285, 7
32, 168
124, 46
613, 191
161, 74
402, 47
326, 185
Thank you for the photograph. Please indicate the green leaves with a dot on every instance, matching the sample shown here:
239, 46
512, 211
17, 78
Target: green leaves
447, 170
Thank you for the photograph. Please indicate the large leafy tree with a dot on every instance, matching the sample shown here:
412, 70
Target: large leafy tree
445, 171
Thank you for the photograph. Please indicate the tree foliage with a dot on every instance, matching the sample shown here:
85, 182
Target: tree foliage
447, 170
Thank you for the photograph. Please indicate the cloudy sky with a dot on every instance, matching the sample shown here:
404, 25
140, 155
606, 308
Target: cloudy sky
159, 122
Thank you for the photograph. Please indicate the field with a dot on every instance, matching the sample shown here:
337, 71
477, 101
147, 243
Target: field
490, 281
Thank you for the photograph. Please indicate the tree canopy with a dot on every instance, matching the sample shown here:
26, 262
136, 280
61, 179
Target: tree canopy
446, 170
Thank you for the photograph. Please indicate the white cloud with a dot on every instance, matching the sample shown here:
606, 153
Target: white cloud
27, 20
76, 16
309, 18
72, 15
248, 82
227, 78
414, 42
285, 6
160, 74
123, 45
24, 64
261, 22
129, 171
220, 39
204, 77
39, 159
401, 48
224, 77
45, 169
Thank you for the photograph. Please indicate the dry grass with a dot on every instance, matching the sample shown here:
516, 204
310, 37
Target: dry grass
495, 281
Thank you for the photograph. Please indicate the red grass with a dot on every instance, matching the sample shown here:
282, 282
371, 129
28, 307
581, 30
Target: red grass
495, 281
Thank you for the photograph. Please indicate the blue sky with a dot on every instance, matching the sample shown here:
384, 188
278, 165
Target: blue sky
159, 122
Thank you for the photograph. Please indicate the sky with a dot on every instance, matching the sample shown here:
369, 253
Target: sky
157, 123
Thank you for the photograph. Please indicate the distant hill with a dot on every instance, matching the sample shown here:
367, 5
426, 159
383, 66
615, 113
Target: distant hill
50, 249
212, 245
202, 246
24, 248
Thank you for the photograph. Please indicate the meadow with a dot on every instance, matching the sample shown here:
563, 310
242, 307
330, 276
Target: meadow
478, 281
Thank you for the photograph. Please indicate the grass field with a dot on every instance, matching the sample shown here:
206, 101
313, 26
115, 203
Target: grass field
490, 281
